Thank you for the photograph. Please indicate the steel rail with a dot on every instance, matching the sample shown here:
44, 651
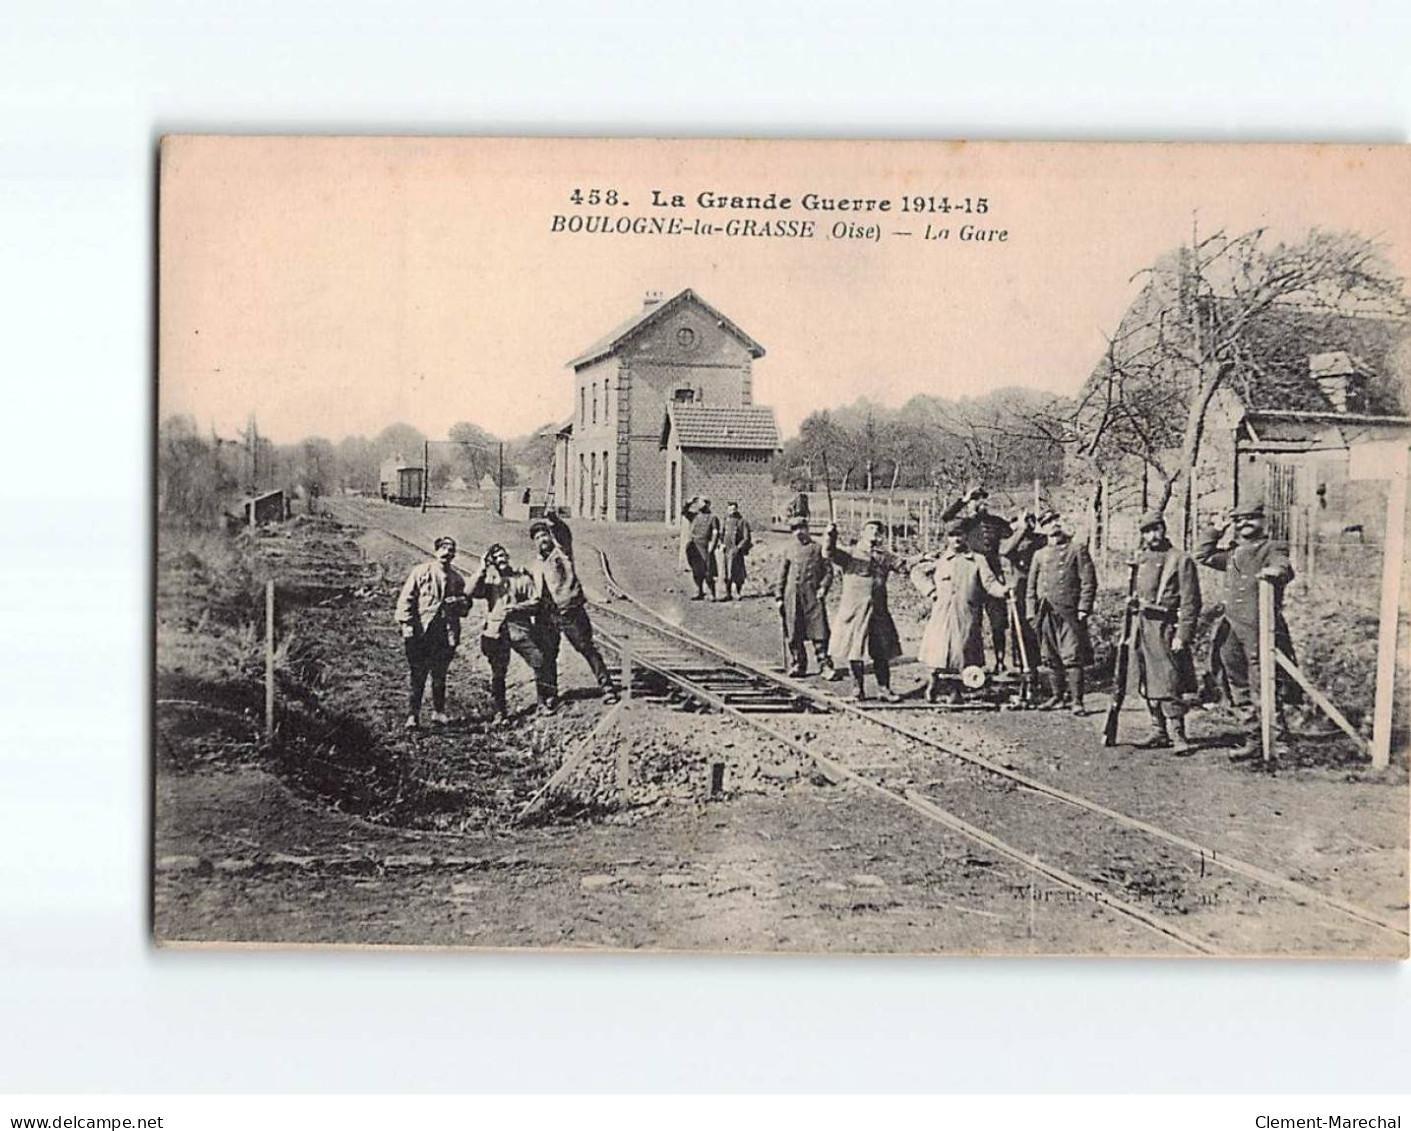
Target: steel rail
1232, 864
838, 772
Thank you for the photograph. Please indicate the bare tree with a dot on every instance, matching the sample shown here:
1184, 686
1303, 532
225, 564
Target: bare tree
1199, 325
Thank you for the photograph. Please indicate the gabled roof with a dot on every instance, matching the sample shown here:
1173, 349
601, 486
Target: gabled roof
1276, 373
708, 426
614, 340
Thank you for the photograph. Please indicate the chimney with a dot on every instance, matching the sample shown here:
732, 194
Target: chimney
652, 300
1337, 376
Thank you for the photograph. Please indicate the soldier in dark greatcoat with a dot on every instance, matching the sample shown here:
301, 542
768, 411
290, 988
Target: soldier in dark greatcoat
804, 580
1166, 605
984, 533
1062, 588
1251, 557
865, 629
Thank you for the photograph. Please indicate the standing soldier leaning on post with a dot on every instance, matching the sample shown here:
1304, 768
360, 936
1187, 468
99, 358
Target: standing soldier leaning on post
1062, 588
429, 611
1166, 606
1251, 560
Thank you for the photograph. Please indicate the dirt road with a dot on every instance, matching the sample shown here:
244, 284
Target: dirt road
253, 849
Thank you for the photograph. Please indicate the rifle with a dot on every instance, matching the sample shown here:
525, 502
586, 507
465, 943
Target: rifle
1124, 653
828, 484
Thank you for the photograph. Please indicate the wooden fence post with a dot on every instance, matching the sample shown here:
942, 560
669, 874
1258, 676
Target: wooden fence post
1393, 550
1267, 685
269, 660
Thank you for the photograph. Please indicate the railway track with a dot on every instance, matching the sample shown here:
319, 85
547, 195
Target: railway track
1148, 875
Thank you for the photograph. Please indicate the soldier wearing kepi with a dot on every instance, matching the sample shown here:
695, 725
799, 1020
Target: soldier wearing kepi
1252, 557
565, 608
735, 545
804, 580
865, 629
984, 534
1062, 588
429, 611
1166, 604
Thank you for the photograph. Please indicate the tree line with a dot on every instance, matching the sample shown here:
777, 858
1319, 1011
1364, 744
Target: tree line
201, 475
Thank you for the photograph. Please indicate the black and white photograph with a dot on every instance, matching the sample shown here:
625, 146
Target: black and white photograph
804, 547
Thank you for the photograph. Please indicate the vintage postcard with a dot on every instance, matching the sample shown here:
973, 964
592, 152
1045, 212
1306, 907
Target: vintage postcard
768, 546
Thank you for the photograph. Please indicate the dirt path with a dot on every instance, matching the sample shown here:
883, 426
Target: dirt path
782, 863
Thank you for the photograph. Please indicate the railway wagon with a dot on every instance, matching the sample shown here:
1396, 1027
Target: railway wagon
403, 485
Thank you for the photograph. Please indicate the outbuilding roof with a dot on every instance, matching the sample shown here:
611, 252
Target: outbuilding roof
611, 342
709, 426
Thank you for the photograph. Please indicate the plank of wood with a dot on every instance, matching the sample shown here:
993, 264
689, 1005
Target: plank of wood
1266, 667
1322, 701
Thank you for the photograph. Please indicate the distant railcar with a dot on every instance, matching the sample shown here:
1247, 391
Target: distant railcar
403, 485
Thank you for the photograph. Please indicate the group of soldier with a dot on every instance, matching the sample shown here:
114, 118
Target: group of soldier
1029, 580
529, 610
1035, 586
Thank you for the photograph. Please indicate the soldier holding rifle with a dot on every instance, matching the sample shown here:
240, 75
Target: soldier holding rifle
1166, 604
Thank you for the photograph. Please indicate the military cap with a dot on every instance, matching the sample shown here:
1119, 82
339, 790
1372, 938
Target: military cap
1249, 510
1150, 519
444, 540
798, 522
540, 524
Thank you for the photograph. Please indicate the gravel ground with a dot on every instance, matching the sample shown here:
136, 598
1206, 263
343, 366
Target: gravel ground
249, 850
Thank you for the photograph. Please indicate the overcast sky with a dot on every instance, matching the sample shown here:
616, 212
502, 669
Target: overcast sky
336, 286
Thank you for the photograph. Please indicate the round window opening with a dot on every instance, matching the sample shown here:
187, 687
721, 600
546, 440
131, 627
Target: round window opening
686, 338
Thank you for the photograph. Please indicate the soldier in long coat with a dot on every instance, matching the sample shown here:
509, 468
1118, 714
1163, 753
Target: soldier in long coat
700, 549
1062, 588
959, 581
865, 629
985, 533
1166, 606
804, 580
735, 543
1252, 557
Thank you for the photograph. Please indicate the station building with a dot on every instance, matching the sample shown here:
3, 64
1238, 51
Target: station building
664, 410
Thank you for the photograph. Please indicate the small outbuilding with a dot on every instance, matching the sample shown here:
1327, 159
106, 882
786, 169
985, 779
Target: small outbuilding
721, 453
